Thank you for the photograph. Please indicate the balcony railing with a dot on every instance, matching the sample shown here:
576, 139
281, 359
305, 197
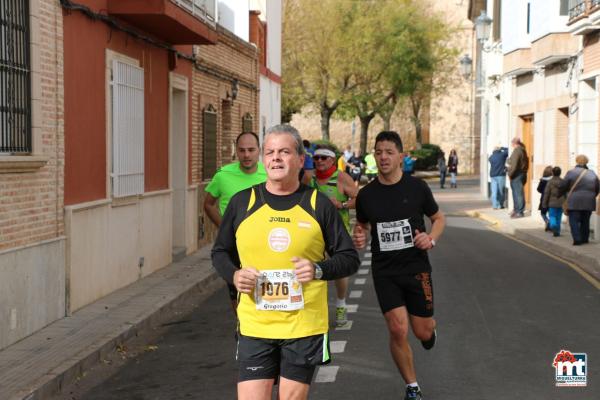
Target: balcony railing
577, 8
205, 10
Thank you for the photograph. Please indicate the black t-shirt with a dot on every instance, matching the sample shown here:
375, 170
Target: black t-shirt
395, 212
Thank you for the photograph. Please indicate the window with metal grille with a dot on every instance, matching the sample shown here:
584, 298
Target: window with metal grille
127, 98
15, 84
247, 123
209, 129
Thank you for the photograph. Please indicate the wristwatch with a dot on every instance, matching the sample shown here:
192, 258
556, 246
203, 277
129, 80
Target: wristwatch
432, 242
318, 271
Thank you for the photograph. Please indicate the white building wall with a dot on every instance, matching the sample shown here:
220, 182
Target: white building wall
545, 18
234, 15
270, 91
274, 21
514, 25
270, 104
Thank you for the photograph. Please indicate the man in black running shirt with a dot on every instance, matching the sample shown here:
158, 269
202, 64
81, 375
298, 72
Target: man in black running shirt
393, 206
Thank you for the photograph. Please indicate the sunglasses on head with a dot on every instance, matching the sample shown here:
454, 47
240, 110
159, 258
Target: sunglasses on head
318, 158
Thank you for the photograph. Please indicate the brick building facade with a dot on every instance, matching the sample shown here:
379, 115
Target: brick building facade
110, 189
32, 242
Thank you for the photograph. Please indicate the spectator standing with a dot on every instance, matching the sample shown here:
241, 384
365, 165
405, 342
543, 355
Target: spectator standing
546, 176
518, 165
582, 186
442, 168
453, 167
553, 199
498, 175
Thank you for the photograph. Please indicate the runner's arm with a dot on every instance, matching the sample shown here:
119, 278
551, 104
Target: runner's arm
224, 254
343, 259
211, 208
438, 222
350, 189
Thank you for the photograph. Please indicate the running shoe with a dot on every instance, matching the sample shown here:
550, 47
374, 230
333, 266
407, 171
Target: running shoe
428, 344
413, 393
341, 316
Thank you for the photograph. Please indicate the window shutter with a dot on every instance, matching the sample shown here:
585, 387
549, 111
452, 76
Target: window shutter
209, 124
127, 129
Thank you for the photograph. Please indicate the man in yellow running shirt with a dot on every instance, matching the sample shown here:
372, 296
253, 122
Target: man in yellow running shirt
272, 245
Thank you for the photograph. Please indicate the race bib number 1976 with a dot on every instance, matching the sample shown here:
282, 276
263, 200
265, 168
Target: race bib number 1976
278, 290
394, 235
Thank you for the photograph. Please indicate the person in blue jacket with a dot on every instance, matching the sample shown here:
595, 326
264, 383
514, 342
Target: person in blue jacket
498, 175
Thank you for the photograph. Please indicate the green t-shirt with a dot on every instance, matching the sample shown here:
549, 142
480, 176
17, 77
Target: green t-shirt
371, 164
230, 179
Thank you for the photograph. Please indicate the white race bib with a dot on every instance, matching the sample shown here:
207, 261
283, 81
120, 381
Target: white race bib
278, 290
395, 235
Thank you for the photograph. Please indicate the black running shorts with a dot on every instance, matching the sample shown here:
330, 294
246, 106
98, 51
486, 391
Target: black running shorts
413, 291
294, 359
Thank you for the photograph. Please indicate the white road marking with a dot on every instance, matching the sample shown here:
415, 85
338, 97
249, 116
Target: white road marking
352, 308
346, 327
326, 374
337, 346
369, 248
355, 294
360, 281
367, 255
366, 262
363, 271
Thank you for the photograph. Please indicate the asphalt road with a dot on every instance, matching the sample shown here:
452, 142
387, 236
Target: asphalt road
503, 311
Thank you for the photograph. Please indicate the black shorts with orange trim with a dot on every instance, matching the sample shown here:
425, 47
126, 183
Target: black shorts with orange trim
414, 291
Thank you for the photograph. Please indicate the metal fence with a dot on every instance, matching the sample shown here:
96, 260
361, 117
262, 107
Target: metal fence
15, 82
576, 8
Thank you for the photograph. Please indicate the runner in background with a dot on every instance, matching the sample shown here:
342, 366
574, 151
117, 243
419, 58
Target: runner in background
233, 178
339, 188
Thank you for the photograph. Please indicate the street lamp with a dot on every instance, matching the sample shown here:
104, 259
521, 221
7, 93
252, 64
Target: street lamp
466, 63
483, 26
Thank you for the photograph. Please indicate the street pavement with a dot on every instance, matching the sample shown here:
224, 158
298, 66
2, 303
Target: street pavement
503, 311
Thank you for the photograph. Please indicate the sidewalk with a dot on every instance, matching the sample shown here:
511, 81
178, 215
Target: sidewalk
39, 365
531, 231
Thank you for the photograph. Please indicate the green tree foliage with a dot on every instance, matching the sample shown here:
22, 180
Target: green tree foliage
316, 69
360, 58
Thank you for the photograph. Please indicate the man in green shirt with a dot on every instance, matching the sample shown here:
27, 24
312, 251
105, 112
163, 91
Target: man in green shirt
233, 178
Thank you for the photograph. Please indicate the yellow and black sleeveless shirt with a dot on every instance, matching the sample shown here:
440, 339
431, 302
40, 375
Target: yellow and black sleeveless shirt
268, 239
265, 231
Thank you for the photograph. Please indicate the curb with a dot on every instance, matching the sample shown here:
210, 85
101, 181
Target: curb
132, 311
588, 264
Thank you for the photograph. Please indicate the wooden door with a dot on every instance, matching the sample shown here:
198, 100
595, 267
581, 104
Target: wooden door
527, 139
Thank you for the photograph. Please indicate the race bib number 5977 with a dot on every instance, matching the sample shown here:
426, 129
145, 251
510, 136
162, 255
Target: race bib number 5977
394, 235
278, 290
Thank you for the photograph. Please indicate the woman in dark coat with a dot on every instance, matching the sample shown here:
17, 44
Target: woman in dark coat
582, 200
546, 176
453, 167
